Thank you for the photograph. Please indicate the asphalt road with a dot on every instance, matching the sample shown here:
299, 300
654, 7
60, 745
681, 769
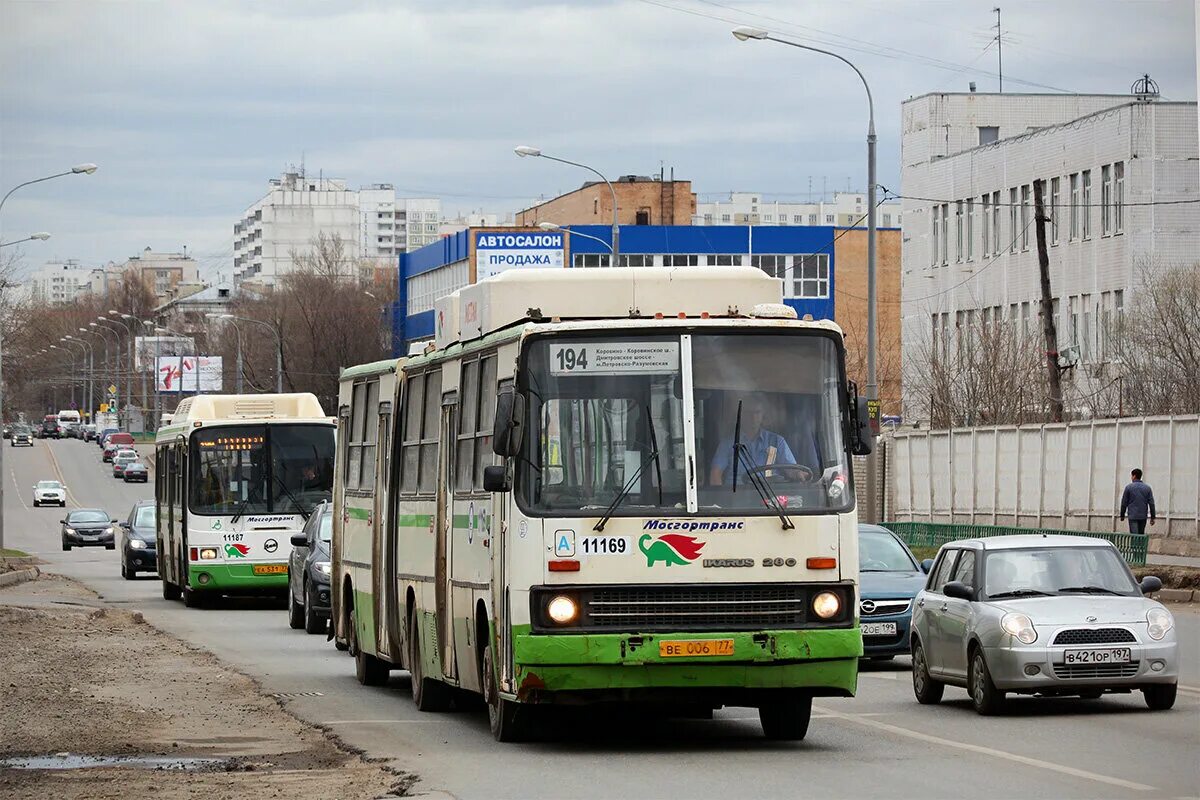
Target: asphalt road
879, 744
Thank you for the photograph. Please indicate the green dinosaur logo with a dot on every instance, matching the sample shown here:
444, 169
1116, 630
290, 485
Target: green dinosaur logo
670, 548
236, 550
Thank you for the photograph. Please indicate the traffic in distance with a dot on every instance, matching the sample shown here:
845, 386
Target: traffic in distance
587, 506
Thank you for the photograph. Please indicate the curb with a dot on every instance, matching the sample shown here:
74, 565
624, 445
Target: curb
19, 576
1175, 595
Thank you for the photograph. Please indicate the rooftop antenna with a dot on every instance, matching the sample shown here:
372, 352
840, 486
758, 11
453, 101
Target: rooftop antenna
999, 49
1145, 88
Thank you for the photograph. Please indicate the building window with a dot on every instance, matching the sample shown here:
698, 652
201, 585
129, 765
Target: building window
591, 260
935, 256
945, 234
1073, 233
996, 222
775, 266
1084, 203
958, 231
887, 220
812, 219
724, 218
1054, 203
768, 217
1119, 197
636, 260
811, 275
708, 219
798, 219
725, 260
1025, 217
970, 229
1012, 219
1106, 200
986, 207
680, 260
989, 134
829, 219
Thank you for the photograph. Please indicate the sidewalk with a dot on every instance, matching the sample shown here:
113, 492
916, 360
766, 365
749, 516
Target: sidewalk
1172, 561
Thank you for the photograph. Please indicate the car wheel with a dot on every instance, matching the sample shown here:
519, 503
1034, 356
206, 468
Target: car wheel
110, 547
369, 670
295, 612
35, 503
170, 591
785, 718
509, 721
63, 504
66, 546
1160, 696
312, 620
927, 690
427, 694
985, 697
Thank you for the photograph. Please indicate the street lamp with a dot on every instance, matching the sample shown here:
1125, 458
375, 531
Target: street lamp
75, 379
91, 381
278, 347
128, 371
746, 33
121, 318
115, 374
216, 316
554, 226
533, 152
72, 355
80, 168
43, 236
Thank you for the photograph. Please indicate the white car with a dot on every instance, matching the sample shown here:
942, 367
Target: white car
49, 493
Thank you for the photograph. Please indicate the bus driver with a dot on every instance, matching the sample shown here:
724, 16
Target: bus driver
763, 447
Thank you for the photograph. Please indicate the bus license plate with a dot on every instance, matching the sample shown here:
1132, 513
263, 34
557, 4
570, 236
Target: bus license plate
1111, 655
693, 648
270, 569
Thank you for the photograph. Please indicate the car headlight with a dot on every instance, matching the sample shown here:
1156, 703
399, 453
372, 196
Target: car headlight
826, 605
1160, 621
71, 531
562, 609
110, 530
1019, 626
136, 544
323, 568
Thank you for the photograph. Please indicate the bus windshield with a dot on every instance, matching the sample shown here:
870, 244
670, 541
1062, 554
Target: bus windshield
598, 406
261, 469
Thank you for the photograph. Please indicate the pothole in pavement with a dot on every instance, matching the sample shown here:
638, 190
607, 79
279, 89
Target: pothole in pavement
61, 761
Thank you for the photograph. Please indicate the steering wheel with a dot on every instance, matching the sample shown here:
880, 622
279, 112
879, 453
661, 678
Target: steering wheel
873, 565
804, 474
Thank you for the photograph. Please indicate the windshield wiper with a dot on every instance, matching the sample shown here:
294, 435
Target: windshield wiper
246, 502
1020, 593
760, 485
1091, 590
304, 512
628, 487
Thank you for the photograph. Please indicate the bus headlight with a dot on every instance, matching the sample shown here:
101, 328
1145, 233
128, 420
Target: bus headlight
208, 553
826, 605
562, 610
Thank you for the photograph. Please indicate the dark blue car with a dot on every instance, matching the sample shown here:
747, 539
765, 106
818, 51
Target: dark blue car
889, 578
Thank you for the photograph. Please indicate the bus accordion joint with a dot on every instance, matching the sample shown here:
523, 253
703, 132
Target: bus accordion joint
821, 563
564, 565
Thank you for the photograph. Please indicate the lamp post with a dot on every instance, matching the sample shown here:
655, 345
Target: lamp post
75, 377
121, 318
43, 236
746, 33
115, 373
554, 226
86, 169
71, 353
527, 151
278, 347
238, 332
103, 364
91, 372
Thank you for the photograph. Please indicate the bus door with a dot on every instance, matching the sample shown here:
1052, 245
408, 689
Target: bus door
444, 531
501, 612
390, 615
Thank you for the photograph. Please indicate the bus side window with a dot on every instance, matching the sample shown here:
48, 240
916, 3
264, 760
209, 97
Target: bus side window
414, 395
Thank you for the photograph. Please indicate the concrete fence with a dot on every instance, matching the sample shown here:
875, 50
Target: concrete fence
1051, 476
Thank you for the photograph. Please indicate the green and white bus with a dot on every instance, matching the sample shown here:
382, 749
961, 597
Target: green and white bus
235, 476
627, 485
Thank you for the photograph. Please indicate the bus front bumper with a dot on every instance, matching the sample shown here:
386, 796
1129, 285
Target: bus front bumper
235, 578
820, 662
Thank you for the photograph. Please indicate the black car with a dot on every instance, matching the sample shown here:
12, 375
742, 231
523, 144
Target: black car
135, 471
89, 527
21, 434
139, 543
308, 572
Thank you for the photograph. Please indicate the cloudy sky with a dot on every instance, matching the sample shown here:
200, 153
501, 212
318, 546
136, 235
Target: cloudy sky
190, 107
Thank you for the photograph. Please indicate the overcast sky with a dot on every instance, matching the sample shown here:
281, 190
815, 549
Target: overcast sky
190, 107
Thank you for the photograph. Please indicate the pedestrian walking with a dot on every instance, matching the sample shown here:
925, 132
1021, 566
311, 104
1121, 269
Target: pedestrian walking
1137, 503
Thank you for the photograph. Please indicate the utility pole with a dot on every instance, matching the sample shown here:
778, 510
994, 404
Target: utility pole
1048, 327
999, 49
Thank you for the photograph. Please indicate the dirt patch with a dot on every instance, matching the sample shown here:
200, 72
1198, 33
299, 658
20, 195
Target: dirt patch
81, 678
1173, 577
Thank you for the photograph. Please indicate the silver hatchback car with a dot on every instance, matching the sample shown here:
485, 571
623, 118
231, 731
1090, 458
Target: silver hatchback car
1040, 614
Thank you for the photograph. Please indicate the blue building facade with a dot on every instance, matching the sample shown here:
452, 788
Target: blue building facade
803, 256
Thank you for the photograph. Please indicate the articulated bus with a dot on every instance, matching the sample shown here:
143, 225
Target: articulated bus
235, 477
627, 485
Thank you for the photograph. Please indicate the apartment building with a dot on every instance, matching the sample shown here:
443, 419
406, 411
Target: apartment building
847, 210
58, 282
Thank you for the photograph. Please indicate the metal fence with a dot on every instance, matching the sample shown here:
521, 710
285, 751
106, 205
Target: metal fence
1068, 476
934, 534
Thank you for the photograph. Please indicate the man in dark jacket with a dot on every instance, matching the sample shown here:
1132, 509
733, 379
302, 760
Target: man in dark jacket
1137, 503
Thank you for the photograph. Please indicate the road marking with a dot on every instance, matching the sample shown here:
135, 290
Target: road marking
61, 478
17, 486
989, 751
380, 721
1189, 689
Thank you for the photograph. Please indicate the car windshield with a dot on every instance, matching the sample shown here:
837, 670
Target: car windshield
1052, 570
144, 517
601, 407
49, 485
879, 551
256, 469
78, 517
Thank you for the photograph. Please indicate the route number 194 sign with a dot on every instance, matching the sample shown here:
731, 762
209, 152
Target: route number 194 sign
614, 358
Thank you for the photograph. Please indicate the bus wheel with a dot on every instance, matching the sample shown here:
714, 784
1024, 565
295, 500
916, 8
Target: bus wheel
170, 590
785, 717
509, 721
192, 598
427, 694
369, 670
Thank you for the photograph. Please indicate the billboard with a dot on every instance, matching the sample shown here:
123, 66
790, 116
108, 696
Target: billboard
188, 374
499, 252
146, 348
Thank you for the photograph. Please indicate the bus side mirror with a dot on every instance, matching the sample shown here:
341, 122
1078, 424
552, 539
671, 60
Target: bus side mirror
495, 479
863, 440
508, 433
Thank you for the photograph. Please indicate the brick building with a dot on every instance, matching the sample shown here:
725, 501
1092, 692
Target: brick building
641, 200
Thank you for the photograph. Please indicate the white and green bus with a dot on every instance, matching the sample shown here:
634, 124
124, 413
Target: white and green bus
235, 476
627, 485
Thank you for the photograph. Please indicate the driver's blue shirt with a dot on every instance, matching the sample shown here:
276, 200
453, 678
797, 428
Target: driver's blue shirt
756, 449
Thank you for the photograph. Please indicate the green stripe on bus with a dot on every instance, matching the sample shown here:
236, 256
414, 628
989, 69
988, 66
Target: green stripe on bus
358, 513
225, 577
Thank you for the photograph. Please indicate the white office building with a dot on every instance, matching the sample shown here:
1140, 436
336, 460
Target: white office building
1114, 168
58, 282
847, 210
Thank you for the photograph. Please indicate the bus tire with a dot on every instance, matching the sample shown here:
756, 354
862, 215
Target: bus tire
785, 717
508, 720
192, 598
428, 695
369, 670
170, 590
